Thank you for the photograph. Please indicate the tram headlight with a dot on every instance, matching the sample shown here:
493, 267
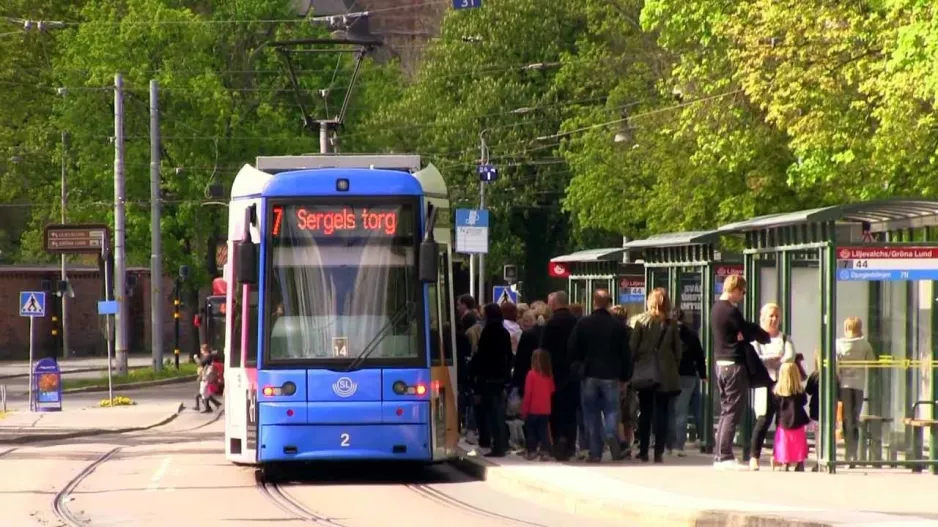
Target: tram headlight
288, 388
341, 185
399, 387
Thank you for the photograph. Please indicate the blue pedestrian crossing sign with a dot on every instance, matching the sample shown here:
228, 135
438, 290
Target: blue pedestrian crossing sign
32, 303
502, 294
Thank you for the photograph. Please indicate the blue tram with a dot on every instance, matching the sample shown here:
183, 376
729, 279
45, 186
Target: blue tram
339, 339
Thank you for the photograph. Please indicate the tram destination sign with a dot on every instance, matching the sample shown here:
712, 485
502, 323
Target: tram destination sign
887, 263
78, 238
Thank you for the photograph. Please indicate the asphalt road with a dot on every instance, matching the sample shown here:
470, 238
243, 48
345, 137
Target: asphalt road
177, 475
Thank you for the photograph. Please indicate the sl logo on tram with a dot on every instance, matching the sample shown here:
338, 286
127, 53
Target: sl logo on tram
344, 387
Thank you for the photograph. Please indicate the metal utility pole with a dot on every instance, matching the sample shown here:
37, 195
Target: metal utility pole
64, 294
120, 269
156, 242
483, 160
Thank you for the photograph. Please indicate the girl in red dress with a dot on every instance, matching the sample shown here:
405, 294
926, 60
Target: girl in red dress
535, 407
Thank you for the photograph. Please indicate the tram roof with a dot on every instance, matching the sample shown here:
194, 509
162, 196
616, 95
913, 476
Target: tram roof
675, 239
591, 255
882, 215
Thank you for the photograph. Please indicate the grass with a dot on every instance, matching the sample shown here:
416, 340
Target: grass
137, 375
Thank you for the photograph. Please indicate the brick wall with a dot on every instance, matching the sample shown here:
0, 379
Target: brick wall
86, 329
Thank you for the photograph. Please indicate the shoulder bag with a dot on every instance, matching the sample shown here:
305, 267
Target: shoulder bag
647, 374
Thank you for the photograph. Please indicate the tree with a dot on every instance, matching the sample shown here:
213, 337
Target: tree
225, 98
678, 146
26, 131
490, 74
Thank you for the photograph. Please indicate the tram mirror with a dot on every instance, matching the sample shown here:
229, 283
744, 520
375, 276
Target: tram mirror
246, 258
427, 263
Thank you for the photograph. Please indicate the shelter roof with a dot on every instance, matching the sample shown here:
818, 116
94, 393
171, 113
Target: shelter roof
675, 239
885, 214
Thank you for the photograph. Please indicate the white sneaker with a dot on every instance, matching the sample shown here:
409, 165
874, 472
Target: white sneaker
753, 464
729, 464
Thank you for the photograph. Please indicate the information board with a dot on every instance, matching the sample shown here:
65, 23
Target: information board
632, 289
47, 383
886, 263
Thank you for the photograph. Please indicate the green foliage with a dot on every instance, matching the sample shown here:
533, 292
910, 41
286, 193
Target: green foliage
723, 110
491, 74
224, 96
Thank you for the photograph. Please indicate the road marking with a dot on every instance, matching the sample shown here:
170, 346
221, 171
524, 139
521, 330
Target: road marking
158, 475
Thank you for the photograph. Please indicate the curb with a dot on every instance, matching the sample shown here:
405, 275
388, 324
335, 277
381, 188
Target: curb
43, 438
133, 385
68, 372
634, 513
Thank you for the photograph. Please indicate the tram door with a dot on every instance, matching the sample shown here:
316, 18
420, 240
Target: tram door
241, 330
444, 422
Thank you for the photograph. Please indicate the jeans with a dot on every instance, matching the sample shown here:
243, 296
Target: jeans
680, 409
653, 407
600, 399
852, 400
494, 401
536, 433
733, 384
583, 442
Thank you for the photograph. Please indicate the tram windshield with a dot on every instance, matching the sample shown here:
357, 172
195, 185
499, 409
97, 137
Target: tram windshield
337, 276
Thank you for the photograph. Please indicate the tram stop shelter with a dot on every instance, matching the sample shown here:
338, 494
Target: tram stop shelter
877, 261
691, 267
589, 270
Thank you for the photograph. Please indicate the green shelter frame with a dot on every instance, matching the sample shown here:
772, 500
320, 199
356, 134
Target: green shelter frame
595, 269
816, 234
669, 257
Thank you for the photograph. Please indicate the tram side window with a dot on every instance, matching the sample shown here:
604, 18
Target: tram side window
447, 305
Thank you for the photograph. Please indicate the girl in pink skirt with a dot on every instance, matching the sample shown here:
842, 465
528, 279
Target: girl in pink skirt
791, 438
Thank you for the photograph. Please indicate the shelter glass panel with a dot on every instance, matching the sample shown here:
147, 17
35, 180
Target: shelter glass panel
885, 378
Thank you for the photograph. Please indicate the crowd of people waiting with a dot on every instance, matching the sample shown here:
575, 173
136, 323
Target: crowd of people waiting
579, 383
548, 381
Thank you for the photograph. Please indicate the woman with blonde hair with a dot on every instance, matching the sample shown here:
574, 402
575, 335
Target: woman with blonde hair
656, 352
774, 355
852, 347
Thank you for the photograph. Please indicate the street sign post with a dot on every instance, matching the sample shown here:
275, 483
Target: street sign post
472, 231
32, 305
79, 238
487, 173
502, 294
466, 4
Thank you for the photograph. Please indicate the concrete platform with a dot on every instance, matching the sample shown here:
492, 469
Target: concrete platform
689, 491
25, 427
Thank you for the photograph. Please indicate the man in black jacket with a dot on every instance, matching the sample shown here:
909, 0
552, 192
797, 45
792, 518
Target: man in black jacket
599, 349
566, 400
731, 336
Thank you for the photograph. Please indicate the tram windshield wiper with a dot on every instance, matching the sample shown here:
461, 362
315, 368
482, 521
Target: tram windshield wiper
401, 313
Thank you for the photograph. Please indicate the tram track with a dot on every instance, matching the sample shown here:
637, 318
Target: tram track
290, 505
8, 451
60, 502
446, 500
